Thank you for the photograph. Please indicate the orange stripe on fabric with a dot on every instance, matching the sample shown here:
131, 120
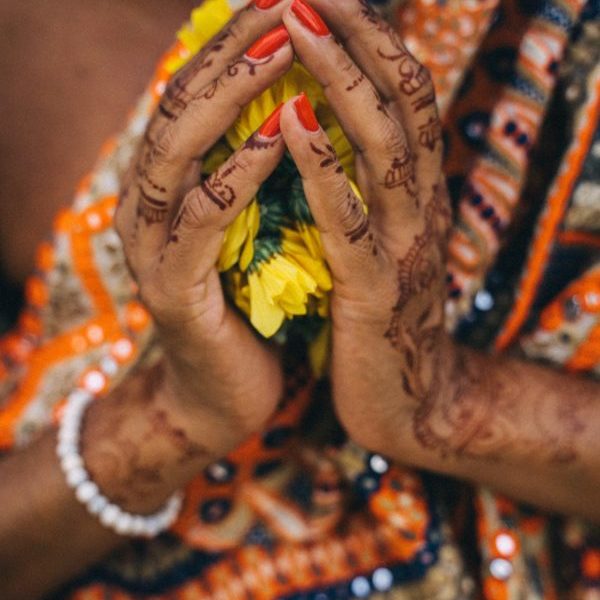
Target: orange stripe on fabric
89, 223
43, 359
556, 207
579, 238
587, 355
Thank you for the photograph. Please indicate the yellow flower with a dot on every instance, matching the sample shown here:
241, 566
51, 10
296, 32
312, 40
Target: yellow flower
279, 289
238, 242
293, 83
205, 22
295, 280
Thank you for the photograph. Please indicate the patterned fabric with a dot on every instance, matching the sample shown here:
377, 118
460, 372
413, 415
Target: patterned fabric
300, 512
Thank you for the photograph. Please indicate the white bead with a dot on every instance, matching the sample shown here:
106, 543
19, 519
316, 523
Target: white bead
123, 524
65, 449
382, 579
360, 587
137, 525
86, 491
379, 464
70, 462
68, 435
96, 505
76, 476
109, 515
79, 398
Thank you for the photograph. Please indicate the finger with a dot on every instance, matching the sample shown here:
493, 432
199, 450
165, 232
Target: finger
345, 229
403, 82
375, 135
202, 123
210, 62
206, 211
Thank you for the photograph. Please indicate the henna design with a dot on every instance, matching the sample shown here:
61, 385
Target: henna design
257, 142
329, 157
485, 416
413, 76
402, 174
234, 68
128, 463
425, 101
217, 191
143, 174
356, 82
151, 209
430, 133
177, 97
189, 450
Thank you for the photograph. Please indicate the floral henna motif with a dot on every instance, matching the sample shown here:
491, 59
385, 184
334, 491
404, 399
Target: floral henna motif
177, 95
234, 68
151, 209
329, 157
402, 174
119, 461
430, 133
218, 191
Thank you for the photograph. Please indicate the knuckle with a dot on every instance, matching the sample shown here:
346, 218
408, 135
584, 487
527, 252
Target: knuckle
164, 150
391, 141
197, 210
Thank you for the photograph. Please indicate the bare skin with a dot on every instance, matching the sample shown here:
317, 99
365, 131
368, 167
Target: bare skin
400, 386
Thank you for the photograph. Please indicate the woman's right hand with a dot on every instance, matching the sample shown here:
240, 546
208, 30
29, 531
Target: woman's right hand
217, 372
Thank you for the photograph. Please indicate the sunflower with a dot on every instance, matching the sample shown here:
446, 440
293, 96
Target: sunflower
272, 260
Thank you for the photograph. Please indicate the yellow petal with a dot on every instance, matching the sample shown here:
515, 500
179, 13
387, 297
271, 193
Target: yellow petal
265, 316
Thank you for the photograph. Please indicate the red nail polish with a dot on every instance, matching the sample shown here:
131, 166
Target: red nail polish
265, 4
306, 114
310, 18
269, 43
271, 127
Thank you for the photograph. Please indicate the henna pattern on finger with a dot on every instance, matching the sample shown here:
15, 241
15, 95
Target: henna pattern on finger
356, 82
177, 96
151, 209
430, 133
425, 101
218, 191
401, 174
329, 157
361, 232
251, 64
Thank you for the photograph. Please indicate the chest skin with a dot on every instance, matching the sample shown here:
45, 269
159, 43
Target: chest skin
69, 73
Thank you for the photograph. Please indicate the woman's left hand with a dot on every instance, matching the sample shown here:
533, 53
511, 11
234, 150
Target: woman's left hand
389, 346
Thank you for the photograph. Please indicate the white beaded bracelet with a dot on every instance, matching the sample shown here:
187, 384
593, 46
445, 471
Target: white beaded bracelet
87, 492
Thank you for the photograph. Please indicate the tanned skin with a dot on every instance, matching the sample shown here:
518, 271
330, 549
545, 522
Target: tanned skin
400, 385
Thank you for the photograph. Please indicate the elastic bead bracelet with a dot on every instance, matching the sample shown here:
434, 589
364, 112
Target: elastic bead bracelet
88, 493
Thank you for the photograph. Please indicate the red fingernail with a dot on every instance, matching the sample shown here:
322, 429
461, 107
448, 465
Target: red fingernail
271, 127
306, 114
269, 43
265, 4
310, 18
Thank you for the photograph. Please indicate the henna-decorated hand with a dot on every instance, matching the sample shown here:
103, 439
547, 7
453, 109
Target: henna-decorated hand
388, 266
172, 229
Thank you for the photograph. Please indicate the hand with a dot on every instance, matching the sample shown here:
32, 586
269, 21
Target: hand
388, 266
172, 228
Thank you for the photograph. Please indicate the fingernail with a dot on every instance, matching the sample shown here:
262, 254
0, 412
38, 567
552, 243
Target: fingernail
310, 18
269, 43
271, 127
306, 114
265, 4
